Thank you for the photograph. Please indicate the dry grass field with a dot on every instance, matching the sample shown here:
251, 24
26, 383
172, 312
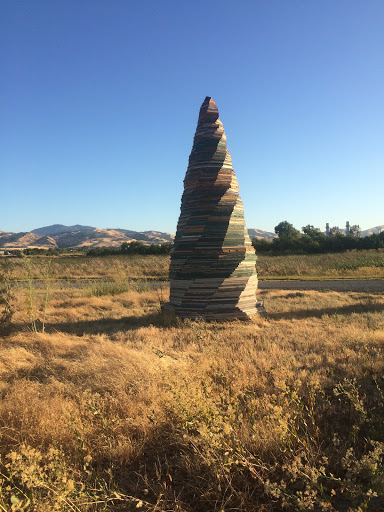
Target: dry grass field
108, 405
81, 267
351, 264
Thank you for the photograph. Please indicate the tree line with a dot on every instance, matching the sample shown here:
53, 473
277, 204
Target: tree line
311, 240
131, 248
37, 251
125, 248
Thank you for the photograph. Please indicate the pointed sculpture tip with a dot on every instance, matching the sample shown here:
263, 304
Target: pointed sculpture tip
209, 100
208, 105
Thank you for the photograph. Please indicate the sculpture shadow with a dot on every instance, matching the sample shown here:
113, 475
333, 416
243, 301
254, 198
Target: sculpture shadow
113, 325
318, 313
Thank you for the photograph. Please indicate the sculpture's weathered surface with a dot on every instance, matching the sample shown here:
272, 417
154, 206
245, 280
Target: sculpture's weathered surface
213, 263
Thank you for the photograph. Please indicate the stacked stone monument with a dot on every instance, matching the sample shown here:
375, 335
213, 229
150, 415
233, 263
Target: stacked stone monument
213, 264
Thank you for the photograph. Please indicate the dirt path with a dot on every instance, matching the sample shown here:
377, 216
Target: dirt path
337, 285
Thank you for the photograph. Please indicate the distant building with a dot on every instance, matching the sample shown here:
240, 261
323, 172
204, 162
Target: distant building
349, 230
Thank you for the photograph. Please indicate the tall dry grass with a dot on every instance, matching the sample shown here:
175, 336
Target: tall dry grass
351, 264
83, 267
117, 407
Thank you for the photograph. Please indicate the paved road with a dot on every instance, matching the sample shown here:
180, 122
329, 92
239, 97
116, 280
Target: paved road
338, 285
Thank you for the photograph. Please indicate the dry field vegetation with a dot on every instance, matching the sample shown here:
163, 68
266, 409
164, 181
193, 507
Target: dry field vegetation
108, 405
351, 264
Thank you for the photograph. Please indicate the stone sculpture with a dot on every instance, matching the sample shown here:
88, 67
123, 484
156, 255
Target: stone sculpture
213, 263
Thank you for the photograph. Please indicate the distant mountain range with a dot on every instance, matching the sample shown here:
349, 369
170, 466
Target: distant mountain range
79, 237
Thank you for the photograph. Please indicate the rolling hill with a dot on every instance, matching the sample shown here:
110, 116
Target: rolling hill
77, 237
259, 234
371, 231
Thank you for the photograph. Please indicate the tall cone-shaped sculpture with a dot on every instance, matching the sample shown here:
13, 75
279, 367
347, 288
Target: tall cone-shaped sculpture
213, 264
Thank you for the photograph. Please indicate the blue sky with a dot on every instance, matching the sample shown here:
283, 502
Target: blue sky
100, 101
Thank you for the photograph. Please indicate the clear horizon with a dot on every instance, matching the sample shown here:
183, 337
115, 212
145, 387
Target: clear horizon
101, 100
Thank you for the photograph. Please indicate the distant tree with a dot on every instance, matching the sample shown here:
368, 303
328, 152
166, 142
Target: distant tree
374, 241
262, 245
335, 231
314, 233
291, 241
135, 247
355, 231
287, 237
308, 244
337, 242
285, 230
103, 251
